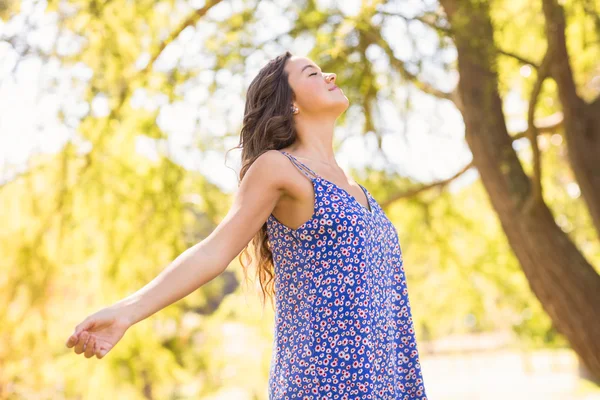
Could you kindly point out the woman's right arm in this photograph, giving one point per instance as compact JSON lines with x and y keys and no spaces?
{"x":258,"y":194}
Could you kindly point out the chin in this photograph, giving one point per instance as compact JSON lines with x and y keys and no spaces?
{"x":344,"y":104}
{"x":342,"y":107}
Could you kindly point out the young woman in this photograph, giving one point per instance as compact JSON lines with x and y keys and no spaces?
{"x":344,"y":328}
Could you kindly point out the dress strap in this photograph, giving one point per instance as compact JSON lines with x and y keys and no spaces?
{"x":302,"y":167}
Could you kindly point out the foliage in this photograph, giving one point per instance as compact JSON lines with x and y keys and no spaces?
{"x":98,"y":219}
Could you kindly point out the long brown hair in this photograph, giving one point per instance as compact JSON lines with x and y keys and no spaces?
{"x":268,"y":124}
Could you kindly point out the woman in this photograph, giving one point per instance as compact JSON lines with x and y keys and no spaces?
{"x":343,"y":322}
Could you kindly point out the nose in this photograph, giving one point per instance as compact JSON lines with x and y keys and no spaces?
{"x":330,"y":77}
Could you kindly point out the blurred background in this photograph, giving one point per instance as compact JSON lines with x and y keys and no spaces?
{"x":475,"y":125}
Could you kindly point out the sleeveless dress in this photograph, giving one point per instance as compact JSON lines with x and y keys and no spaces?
{"x":343,"y":323}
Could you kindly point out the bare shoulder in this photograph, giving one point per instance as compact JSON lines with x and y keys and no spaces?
{"x":264,"y":184}
{"x":272,"y":170}
{"x":270,"y":159}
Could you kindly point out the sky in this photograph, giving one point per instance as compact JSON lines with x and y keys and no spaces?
{"x":430,"y":147}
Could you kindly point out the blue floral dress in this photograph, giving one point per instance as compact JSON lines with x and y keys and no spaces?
{"x":343,"y":323}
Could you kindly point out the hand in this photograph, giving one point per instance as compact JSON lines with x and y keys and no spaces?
{"x":99,"y":332}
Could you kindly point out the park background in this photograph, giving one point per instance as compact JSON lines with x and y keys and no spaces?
{"x":115,"y":121}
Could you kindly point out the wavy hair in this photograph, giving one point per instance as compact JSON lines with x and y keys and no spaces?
{"x":268,"y":124}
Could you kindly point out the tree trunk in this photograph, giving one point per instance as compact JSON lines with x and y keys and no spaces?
{"x":581,"y":120}
{"x":565,"y":283}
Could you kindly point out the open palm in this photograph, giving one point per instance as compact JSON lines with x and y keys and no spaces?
{"x":99,"y":332}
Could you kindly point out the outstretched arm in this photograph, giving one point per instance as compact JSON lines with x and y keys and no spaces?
{"x":257,"y":196}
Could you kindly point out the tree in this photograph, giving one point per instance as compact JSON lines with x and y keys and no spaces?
{"x":564,"y":281}
{"x":88,"y":214}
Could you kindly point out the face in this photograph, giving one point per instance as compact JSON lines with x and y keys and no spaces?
{"x":315,"y":90}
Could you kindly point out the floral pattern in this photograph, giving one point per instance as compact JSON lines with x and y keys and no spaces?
{"x":343,"y":323}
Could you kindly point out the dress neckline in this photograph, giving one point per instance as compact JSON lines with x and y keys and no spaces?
{"x":369,"y":210}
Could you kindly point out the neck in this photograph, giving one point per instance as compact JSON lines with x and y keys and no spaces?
{"x":315,"y":139}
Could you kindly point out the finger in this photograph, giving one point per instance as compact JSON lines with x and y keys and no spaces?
{"x":74,"y":338}
{"x":100,"y":352}
{"x":80,"y":347}
{"x":72,"y":341}
{"x":89,"y":347}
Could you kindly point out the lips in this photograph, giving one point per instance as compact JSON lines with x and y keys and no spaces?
{"x":333,"y":88}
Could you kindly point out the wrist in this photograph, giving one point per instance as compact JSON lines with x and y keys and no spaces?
{"x":129,"y":310}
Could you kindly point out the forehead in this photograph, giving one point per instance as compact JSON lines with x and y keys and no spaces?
{"x":298,"y":65}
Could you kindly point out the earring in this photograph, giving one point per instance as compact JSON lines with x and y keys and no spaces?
{"x":295,"y":110}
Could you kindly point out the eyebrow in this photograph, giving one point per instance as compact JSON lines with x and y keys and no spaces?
{"x":307,"y":66}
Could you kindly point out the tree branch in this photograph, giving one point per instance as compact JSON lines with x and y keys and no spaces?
{"x":189,"y":21}
{"x":373,"y":36}
{"x":560,"y":69}
{"x":547,"y":124}
{"x":429,"y":19}
{"x":517,"y":57}
{"x":127,"y":86}
{"x":536,"y":196}
{"x":595,"y":104}
{"x":415,"y":191}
